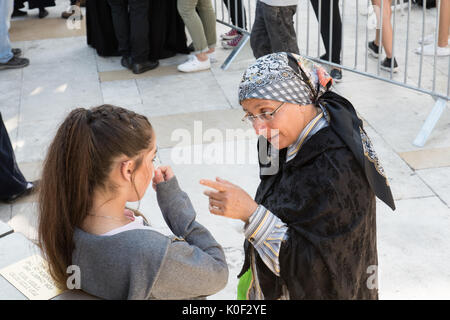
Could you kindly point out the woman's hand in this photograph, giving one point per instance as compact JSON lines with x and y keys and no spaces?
{"x":162,"y":173}
{"x":229,"y":200}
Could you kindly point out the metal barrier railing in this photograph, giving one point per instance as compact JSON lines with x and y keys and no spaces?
{"x":353,"y":31}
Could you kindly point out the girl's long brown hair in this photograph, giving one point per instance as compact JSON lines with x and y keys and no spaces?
{"x":78,"y":161}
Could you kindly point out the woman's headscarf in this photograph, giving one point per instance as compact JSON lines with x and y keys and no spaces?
{"x":287,"y":77}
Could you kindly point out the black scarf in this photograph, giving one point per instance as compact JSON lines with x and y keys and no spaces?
{"x":347,"y":125}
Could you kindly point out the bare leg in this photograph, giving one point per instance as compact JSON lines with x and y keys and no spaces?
{"x":202,"y":56}
{"x":387,"y":26}
{"x":444,"y":23}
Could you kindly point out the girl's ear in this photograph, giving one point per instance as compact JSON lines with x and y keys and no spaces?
{"x":126,"y":169}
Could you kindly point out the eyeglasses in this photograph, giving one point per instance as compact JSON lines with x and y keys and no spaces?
{"x":157,"y":160}
{"x":265,"y":116}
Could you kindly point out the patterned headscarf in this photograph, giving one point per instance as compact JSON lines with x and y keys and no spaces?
{"x":275,"y":77}
{"x":287,"y":77}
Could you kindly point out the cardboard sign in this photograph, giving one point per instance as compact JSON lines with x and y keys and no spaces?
{"x":31,"y":277}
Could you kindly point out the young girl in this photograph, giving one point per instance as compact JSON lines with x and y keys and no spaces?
{"x":99,"y":160}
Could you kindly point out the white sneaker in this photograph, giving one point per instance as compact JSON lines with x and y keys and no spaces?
{"x":429,"y":39}
{"x":193,"y":64}
{"x":212,"y":57}
{"x":429,"y":49}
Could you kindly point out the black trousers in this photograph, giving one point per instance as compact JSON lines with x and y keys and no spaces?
{"x":12,"y":181}
{"x":130,"y":19}
{"x":33,"y":4}
{"x":236,"y":10}
{"x":325,"y":28}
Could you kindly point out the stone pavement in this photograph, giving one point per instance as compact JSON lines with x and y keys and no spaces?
{"x":413,"y":241}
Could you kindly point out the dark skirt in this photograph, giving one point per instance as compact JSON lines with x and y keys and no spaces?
{"x":167,"y":34}
{"x":33,"y":4}
{"x":12,"y":181}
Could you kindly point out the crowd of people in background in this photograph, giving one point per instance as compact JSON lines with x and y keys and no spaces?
{"x":42,"y":5}
{"x":136,"y":40}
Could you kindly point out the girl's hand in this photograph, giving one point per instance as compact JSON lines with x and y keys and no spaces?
{"x":229,"y":200}
{"x":162,"y":173}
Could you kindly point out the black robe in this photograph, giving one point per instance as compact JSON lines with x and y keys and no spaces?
{"x":33,"y":4}
{"x":325,"y":199}
{"x":12,"y":181}
{"x":167,"y":35}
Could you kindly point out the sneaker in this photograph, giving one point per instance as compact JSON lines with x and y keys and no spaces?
{"x":233,"y":33}
{"x":374,"y":50}
{"x":336,"y":74}
{"x":429,"y":39}
{"x":231,"y":44}
{"x":429,"y":50}
{"x":193,"y":64}
{"x":212,"y":57}
{"x":386,"y":65}
{"x":15,"y":63}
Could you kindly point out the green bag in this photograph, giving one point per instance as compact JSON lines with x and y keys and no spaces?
{"x":244,"y":285}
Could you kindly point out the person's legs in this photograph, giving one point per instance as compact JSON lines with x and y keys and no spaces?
{"x":236,"y":11}
{"x":201,"y":34}
{"x":444,"y":23}
{"x":325,"y":28}
{"x":208,"y":18}
{"x":387,"y":26}
{"x":121,"y":22}
{"x":280,"y":28}
{"x":18,"y":4}
{"x":259,"y":38}
{"x":12,"y":181}
{"x":187,"y":11}
{"x":139,"y":29}
{"x":38,"y":4}
{"x":5,"y":44}
{"x":10,"y":10}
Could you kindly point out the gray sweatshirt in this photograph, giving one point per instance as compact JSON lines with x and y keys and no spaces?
{"x":145,"y":264}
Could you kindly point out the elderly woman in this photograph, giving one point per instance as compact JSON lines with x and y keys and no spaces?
{"x":311,"y":229}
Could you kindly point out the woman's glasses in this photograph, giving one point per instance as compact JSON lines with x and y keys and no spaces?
{"x":265,"y":116}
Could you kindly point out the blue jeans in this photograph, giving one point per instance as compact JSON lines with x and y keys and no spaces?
{"x":5,"y":45}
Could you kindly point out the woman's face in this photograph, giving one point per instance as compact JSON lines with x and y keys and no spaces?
{"x":287,"y":123}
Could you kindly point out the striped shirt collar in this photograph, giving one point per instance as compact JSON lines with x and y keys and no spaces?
{"x":319,"y":122}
